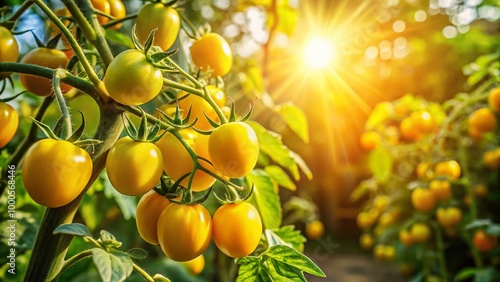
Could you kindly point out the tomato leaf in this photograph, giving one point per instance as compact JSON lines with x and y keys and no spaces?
{"x":273,"y":239}
{"x":266,"y":199}
{"x":302,"y":165}
{"x":102,"y":261}
{"x":465,"y":273}
{"x":290,"y":235}
{"x":380,"y":163}
{"x":249,"y":269}
{"x":277,"y":174}
{"x":292,"y":257}
{"x":270,"y":143}
{"x":109,"y":239}
{"x":493,"y":229}
{"x":119,"y":38}
{"x":363,"y":188}
{"x":137,"y":253}
{"x":285,"y":270}
{"x":295,"y":119}
{"x":478,"y":223}
{"x":121,"y":266}
{"x":75,"y":229}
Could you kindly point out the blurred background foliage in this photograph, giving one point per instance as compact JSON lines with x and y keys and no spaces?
{"x":383,"y":49}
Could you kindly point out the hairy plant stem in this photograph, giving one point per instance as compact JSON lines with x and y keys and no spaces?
{"x":50,"y":249}
{"x":58,"y":74}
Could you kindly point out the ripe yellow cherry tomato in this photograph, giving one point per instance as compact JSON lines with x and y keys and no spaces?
{"x":424,"y":170}
{"x":366,"y":241}
{"x":131,"y":79}
{"x":165,"y":19}
{"x":177,"y":162}
{"x":369,"y":140}
{"x":184,"y":231}
{"x":196,"y":265}
{"x":423,"y":121}
{"x":384,"y":252}
{"x":366,"y":219}
{"x":491,"y":159}
{"x":381,"y":202}
{"x":480,"y":190}
{"x":147,"y":213}
{"x":217,"y":95}
{"x":134,"y":167}
{"x":117,"y":10}
{"x":212,"y":53}
{"x":420,"y":232}
{"x":9,"y":120}
{"x":9,"y":49}
{"x":449,"y":217}
{"x":237,"y":229}
{"x":315,"y":230}
{"x":103,"y":6}
{"x":233,"y":149}
{"x":55,"y":172}
{"x":406,"y":238}
{"x":441,"y":189}
{"x":409,"y":131}
{"x":494,"y":99}
{"x":45,"y":57}
{"x":483,"y":241}
{"x":450,"y":169}
{"x":199,"y":108}
{"x":483,"y":120}
{"x":423,"y":199}
{"x":387,"y":219}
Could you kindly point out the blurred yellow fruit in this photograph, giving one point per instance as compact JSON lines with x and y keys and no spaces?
{"x":315,"y":230}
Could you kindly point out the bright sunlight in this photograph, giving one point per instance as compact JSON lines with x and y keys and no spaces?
{"x":319,"y":53}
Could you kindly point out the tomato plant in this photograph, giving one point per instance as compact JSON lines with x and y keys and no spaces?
{"x":246,"y":226}
{"x":200,"y":110}
{"x":483,"y":241}
{"x":55,"y":172}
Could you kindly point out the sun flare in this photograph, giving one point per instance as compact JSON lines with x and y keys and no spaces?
{"x":319,"y":53}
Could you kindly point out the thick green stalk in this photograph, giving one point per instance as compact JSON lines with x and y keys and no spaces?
{"x":49,"y":251}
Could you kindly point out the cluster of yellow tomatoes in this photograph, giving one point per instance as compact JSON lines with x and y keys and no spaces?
{"x":55,"y":171}
{"x":436,"y":195}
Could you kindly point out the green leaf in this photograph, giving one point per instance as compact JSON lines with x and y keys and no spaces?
{"x":290,"y":235}
{"x":121,"y":266}
{"x":273,"y":239}
{"x":75,"y":229}
{"x":363,"y":187}
{"x":266,"y":199}
{"x":380,"y":163}
{"x":102,"y":261}
{"x":249,"y":269}
{"x":474,"y":78}
{"x":270,"y":143}
{"x":465,"y":273}
{"x":493,"y":229}
{"x":478,"y":223}
{"x":119,"y":38}
{"x":290,"y":272}
{"x":109,"y":239}
{"x":302,"y":165}
{"x":295,"y":119}
{"x":292,"y":257}
{"x":279,"y":176}
{"x":484,"y":275}
{"x":137,"y":253}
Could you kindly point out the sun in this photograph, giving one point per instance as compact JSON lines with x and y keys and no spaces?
{"x":319,"y":53}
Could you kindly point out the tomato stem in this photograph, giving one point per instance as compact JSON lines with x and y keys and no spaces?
{"x":65,"y":116}
{"x":18,"y":13}
{"x":117,"y":21}
{"x":72,"y":260}
{"x":185,"y":74}
{"x":195,"y":34}
{"x":143,"y":273}
{"x":440,"y":249}
{"x":214,"y":105}
{"x":182,"y":87}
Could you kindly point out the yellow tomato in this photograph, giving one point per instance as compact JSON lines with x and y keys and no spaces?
{"x":423,"y":199}
{"x":315,"y":230}
{"x":441,"y":189}
{"x":147,"y":213}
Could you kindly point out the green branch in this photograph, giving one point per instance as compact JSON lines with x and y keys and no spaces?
{"x":66,"y":117}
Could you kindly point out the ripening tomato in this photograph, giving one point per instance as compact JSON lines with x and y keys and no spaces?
{"x":369,"y":140}
{"x":384,"y":252}
{"x":134,"y":167}
{"x":177,"y":162}
{"x":314,"y":230}
{"x":494,"y":99}
{"x":9,"y":49}
{"x":196,"y":265}
{"x":381,"y":202}
{"x":449,"y":217}
{"x":423,"y":121}
{"x":118,"y":11}
{"x":55,"y":172}
{"x":165,"y":19}
{"x":483,"y":119}
{"x":475,"y":134}
{"x":441,"y":189}
{"x":9,"y":120}
{"x":131,"y":79}
{"x":233,"y":149}
{"x":420,"y":232}
{"x":450,"y":169}
{"x":491,"y":159}
{"x":408,"y":130}
{"x":483,"y":241}
{"x":199,"y":108}
{"x":366,"y":219}
{"x":423,"y":170}
{"x":387,"y":219}
{"x":104,"y":7}
{"x":237,"y":229}
{"x":147,"y":213}
{"x":366,"y":241}
{"x":212,"y":53}
{"x":405,"y":237}
{"x":217,"y":95}
{"x":423,"y":199}
{"x":184,"y":231}
{"x":45,"y":57}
